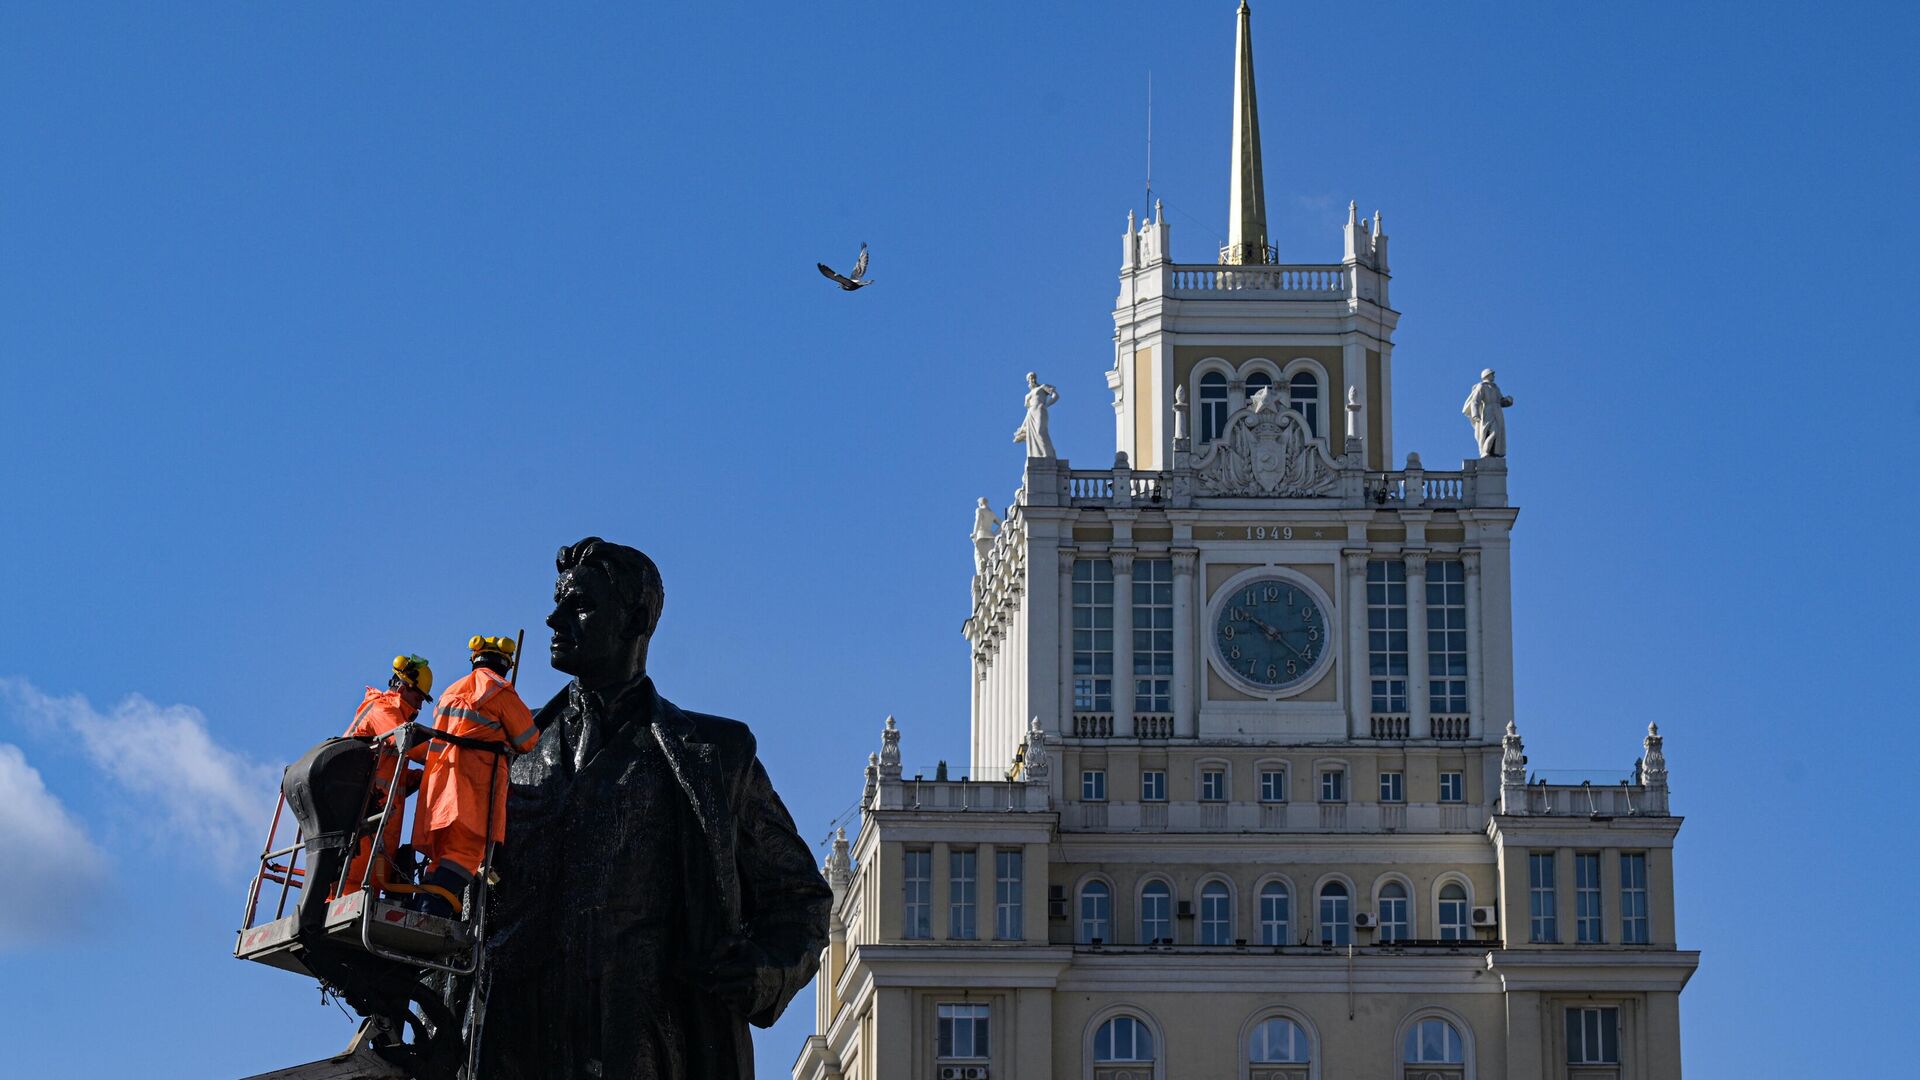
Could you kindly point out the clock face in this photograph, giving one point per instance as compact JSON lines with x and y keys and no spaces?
{"x":1271,"y":633}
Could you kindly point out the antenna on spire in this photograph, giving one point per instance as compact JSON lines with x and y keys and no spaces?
{"x":1149,"y":140}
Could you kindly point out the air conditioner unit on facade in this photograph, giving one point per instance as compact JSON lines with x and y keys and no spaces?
{"x":1056,"y":909}
{"x":1056,"y":892}
{"x":1185,"y":909}
{"x":1364,"y":921}
{"x":1485,"y":916}
{"x":963,"y":1072}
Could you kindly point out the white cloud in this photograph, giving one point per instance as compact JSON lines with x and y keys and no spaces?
{"x":51,"y":874}
{"x":207,"y":796}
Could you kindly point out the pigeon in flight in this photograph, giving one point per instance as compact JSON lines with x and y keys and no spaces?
{"x":857,"y":281}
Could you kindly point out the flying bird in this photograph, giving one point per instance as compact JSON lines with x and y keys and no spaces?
{"x":857,"y":281}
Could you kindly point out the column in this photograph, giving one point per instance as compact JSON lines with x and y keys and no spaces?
{"x":1186,"y":658}
{"x":1067,"y":556}
{"x":1359,"y":691}
{"x":1470,"y":560}
{"x":1122,"y":642}
{"x":940,"y":898}
{"x":1418,"y":726}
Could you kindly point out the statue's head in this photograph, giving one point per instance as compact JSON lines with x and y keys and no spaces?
{"x":1486,"y":375}
{"x":1033,"y":379}
{"x":606,"y":604}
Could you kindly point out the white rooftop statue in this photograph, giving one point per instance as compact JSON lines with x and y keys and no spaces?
{"x":1485,"y":409}
{"x":984,"y":522}
{"x":1033,"y":430}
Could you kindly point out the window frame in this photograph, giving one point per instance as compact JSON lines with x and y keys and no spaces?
{"x":1389,"y":676}
{"x":963,"y":894}
{"x":1393,"y":786}
{"x":1335,"y":932}
{"x":1153,"y":785}
{"x":1213,"y":910}
{"x":1273,"y":784}
{"x":1152,"y":619}
{"x":1447,"y":665}
{"x":1165,"y":922}
{"x":1215,"y":783}
{"x":1333,"y":784}
{"x":1636,"y":928}
{"x":1606,"y":1031}
{"x":979,"y":1021}
{"x":1093,"y":785}
{"x":1588,"y":911}
{"x":1085,"y":893}
{"x":1009,"y":894}
{"x":1092,"y":687}
{"x":1140,"y":1026}
{"x":907,"y":902}
{"x":1543,"y":899}
{"x":1403,"y":910}
{"x":1412,"y":1049}
{"x":1307,"y":1038}
{"x":1275,"y":932}
{"x":1459,"y":785}
{"x":1441,"y":923}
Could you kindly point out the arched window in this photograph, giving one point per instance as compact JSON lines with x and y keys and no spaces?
{"x":1433,"y":1041}
{"x":1279,"y":1041}
{"x":1096,"y":913}
{"x":1156,"y":902}
{"x":1336,"y":914}
{"x":1123,"y":1039}
{"x":1213,"y":406}
{"x":1453,"y":913}
{"x":1303,"y":393}
{"x":1216,"y":914}
{"x":1257,"y":382}
{"x":1273,"y":913}
{"x":1393,"y":913}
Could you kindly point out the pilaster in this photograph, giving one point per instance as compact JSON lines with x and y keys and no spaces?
{"x":1476,"y":721}
{"x":1122,"y":641}
{"x":1418,"y":723}
{"x":1359,"y":690}
{"x":1186,"y":654}
{"x":1064,"y":693}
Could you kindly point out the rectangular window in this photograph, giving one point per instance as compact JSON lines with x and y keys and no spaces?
{"x":1153,"y":785}
{"x":1586,"y":897}
{"x":1593,"y":1036}
{"x":1093,"y":635}
{"x":1333,"y":786}
{"x":1453,"y":787}
{"x":960,"y":895}
{"x":961,"y":1033}
{"x":1153,"y":635}
{"x":1393,"y":787}
{"x":1633,"y":898}
{"x":919,"y":894}
{"x":1009,"y":920}
{"x":1446,"y":637}
{"x":1543,"y":926}
{"x":1387,"y":634}
{"x":1336,"y":916}
{"x":1273,"y":785}
{"x":1213,"y":785}
{"x":1093,"y":785}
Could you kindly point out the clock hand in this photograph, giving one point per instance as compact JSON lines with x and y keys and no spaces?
{"x":1270,"y":632}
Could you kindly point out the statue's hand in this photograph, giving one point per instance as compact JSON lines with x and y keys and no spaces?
{"x":735,"y":976}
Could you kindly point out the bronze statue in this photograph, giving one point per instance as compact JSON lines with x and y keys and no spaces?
{"x":655,"y":898}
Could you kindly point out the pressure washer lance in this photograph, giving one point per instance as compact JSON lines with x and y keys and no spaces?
{"x":513,"y":674}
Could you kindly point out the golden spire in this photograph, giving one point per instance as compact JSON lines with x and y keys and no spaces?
{"x":1247,"y":200}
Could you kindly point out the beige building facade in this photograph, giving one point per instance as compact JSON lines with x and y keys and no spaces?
{"x":1247,"y":796}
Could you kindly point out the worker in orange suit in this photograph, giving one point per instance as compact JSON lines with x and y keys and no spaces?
{"x":380,"y":712}
{"x":451,"y":827}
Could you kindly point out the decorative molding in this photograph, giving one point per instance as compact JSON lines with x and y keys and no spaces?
{"x":1266,"y":451}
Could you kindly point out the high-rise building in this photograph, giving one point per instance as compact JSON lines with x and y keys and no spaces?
{"x":1247,"y":798}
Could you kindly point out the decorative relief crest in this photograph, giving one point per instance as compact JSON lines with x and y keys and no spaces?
{"x":1266,"y":451}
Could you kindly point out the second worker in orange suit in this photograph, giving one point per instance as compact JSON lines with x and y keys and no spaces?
{"x":380,"y":712}
{"x":465,"y":785}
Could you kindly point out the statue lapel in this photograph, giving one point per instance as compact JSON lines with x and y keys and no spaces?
{"x":697,"y":766}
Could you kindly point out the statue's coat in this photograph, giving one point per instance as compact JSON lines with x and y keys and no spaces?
{"x":562,"y":960}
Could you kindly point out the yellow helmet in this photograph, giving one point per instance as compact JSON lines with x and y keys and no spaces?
{"x":480,"y":645}
{"x":415,"y":672}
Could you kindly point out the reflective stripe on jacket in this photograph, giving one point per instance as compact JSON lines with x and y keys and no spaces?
{"x":460,"y":779}
{"x":380,"y":712}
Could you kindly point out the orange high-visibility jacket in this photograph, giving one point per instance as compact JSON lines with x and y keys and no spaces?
{"x":456,"y":788}
{"x":380,"y":712}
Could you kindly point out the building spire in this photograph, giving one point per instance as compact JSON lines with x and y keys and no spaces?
{"x":1247,"y":200}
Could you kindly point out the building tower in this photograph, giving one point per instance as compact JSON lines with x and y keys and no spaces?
{"x":1247,"y":795}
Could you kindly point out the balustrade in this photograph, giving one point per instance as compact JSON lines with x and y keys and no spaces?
{"x":1323,"y":280}
{"x":1093,"y":725}
{"x":1392,"y":726}
{"x":1153,"y":725}
{"x":1452,"y":728}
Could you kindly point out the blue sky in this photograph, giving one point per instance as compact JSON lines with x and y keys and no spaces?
{"x":320,"y":331}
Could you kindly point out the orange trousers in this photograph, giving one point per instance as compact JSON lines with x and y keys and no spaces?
{"x":387,"y":871}
{"x":461,"y":849}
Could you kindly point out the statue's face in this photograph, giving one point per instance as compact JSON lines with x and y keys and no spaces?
{"x":593,"y":633}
